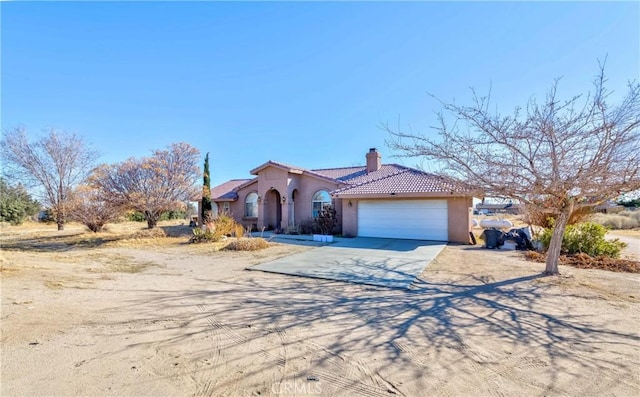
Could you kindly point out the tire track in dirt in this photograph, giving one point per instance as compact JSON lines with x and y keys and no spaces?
{"x":515,"y":370}
{"x":207,"y":386}
{"x":412,"y":354}
{"x":345,"y":375}
{"x":227,"y":338}
{"x":602,"y":385}
{"x":486,"y":368}
{"x":282,"y":337}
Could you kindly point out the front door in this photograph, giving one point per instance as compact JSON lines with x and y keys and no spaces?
{"x":273,"y":216}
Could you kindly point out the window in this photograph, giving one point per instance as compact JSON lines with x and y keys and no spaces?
{"x":319,"y":200}
{"x":251,"y":205}
{"x":226,"y":208}
{"x":214,"y":209}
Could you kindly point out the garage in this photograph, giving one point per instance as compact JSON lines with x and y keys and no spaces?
{"x":406,"y":219}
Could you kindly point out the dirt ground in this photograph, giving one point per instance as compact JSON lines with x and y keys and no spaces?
{"x":100,"y":318}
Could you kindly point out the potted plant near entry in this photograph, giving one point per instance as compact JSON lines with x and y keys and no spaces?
{"x":326,"y":221}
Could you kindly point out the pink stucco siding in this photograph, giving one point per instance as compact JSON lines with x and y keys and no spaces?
{"x":285,"y":194}
{"x":285,"y":199}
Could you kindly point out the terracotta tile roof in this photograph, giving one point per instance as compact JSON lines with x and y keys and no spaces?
{"x":342,"y":174}
{"x":394,"y":178}
{"x":390,"y":178}
{"x":227,"y":190}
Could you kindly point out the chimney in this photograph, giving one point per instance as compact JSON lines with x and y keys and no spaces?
{"x":373,"y":160}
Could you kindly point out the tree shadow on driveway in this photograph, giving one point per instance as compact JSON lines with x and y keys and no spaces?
{"x":482,"y":333}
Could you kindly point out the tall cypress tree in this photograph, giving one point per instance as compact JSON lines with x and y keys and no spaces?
{"x":205,"y":213}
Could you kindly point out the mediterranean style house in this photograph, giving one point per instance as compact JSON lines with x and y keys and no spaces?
{"x":376,"y":200}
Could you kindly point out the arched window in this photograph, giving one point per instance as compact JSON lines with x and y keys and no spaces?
{"x":319,"y":200}
{"x":251,"y":205}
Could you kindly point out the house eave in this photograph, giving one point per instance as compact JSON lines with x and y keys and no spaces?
{"x":270,"y":163}
{"x":398,"y":195}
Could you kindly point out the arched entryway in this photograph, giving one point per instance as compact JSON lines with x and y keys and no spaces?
{"x":273,"y":209}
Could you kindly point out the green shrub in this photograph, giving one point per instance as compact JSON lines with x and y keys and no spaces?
{"x":171,"y":215}
{"x":635,"y":203}
{"x":587,"y":238}
{"x":135,"y":216}
{"x":202,"y":235}
{"x":16,"y":204}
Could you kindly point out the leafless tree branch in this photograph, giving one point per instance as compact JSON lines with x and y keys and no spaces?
{"x":558,"y":157}
{"x":56,"y":163}
{"x":151,"y":185}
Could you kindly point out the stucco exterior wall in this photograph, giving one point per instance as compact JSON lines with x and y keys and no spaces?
{"x":237,"y":207}
{"x":303,"y":202}
{"x":285,"y":199}
{"x":459,"y":219}
{"x":292,"y":193}
{"x":349,"y":217}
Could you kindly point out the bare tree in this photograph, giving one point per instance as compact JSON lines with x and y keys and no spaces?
{"x":558,"y":157}
{"x":151,"y":185}
{"x":55,"y":163}
{"x":88,"y":206}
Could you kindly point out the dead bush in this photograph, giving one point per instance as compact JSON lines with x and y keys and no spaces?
{"x":239,"y":231}
{"x":156,"y":232}
{"x":584,"y":261}
{"x":223,"y":226}
{"x":247,"y":244}
{"x":308,"y":226}
{"x":624,"y":220}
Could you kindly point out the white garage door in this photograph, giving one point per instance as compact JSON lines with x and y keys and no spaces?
{"x":410,"y":219}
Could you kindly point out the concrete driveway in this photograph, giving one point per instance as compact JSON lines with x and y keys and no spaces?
{"x":375,"y":261}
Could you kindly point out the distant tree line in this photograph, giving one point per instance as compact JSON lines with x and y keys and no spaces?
{"x":16,"y":204}
{"x":631,"y":203}
{"x":61,"y":169}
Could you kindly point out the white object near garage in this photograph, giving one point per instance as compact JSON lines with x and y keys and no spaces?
{"x":407,"y":219}
{"x":497,"y":223}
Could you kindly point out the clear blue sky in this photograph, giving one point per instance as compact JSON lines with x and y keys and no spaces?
{"x":302,"y":83}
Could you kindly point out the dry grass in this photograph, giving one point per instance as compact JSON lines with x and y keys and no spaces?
{"x":625,"y":220}
{"x":122,"y":267}
{"x":149,"y":233}
{"x":46,"y":238}
{"x":115,"y":263}
{"x":247,"y":244}
{"x":54,"y":284}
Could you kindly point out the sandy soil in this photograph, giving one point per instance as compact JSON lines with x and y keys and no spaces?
{"x":180,"y":321}
{"x":632,"y":238}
